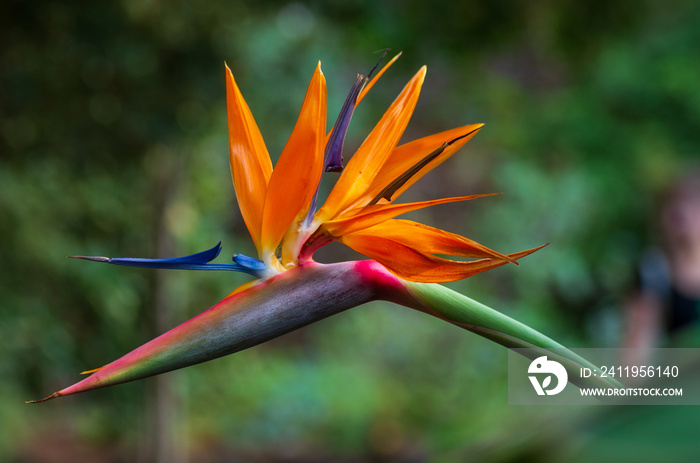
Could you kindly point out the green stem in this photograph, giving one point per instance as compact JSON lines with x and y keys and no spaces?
{"x":471,"y":315}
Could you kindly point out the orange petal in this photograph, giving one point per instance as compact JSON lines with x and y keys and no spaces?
{"x":406,"y":156}
{"x":250,"y":163}
{"x":371,"y":156}
{"x":365,"y":217}
{"x":430,"y":240}
{"x":412,"y":265}
{"x":371,"y":83}
{"x":299,"y":168}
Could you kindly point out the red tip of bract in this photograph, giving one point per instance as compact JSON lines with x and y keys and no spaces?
{"x":52,"y":396}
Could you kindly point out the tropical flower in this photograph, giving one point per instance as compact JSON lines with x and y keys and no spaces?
{"x":279,"y":205}
{"x":279,"y":208}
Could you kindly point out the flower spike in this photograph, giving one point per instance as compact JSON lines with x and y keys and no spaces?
{"x":291,"y":290}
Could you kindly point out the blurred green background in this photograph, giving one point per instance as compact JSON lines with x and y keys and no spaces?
{"x":113,"y":142}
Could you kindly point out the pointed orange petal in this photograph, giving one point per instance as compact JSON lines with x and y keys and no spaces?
{"x":371,"y":83}
{"x":405,"y":157}
{"x":369,"y":158}
{"x":365,"y":217}
{"x":250,"y":163}
{"x":299,"y":168}
{"x":412,"y":265}
{"x":430,"y":240}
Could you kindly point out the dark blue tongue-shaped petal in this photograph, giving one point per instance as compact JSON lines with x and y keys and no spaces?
{"x":333,"y":156}
{"x":198,"y":261}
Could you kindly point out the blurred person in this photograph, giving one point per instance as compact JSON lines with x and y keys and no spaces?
{"x":666,"y":302}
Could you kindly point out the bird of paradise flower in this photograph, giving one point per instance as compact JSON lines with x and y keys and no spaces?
{"x":279,"y":208}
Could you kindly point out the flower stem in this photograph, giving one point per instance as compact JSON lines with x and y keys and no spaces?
{"x":471,"y":315}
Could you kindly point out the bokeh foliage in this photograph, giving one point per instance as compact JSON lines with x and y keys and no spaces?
{"x":113,"y":142}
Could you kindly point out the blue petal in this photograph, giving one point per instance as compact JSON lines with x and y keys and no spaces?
{"x":249,"y":262}
{"x":198,"y":261}
{"x":333,"y":156}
